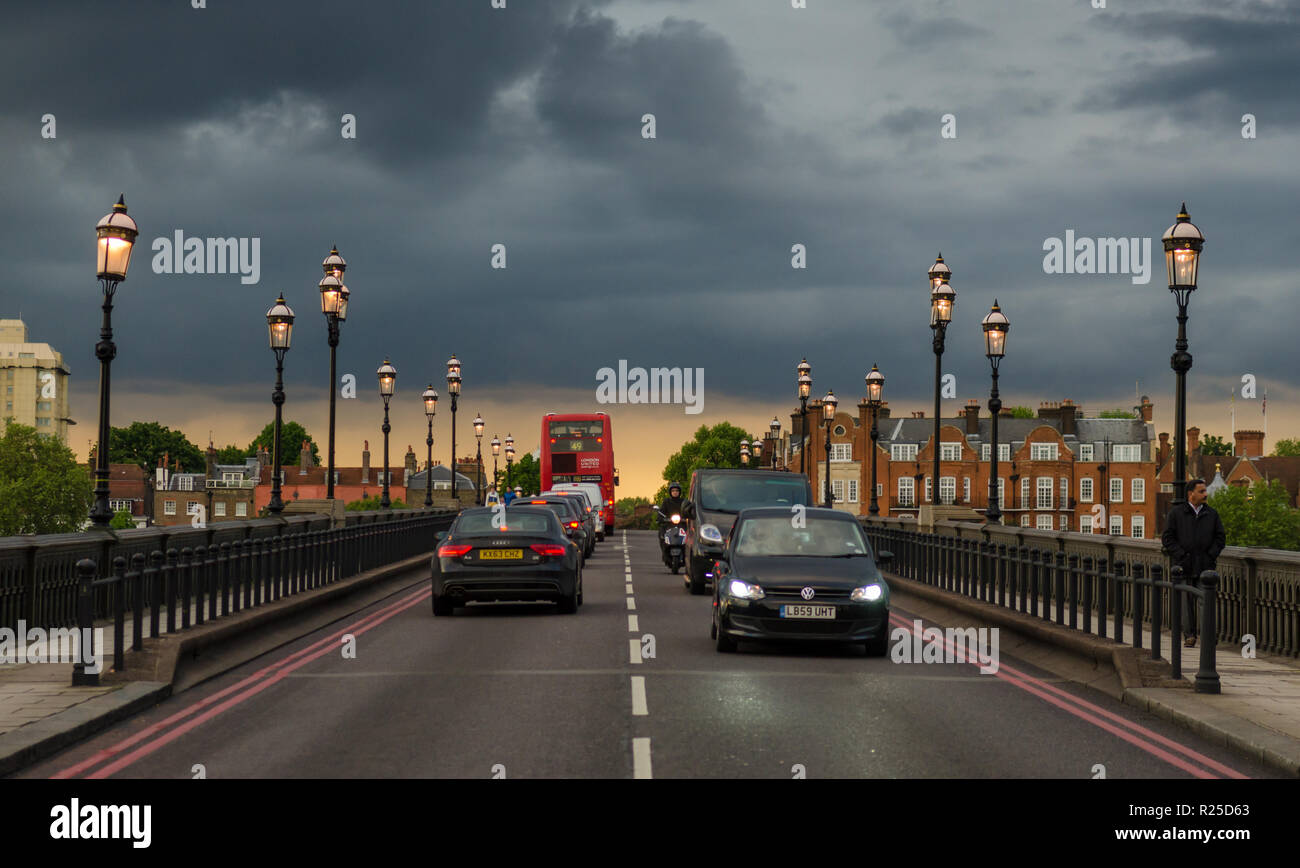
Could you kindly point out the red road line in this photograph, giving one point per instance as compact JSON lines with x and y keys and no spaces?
{"x":1081,"y":709}
{"x":112,"y":751}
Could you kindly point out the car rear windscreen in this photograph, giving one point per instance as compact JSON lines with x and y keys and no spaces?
{"x":481,"y":524}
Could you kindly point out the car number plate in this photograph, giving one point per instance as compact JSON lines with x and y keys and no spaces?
{"x":501,"y":554}
{"x":815,"y":612}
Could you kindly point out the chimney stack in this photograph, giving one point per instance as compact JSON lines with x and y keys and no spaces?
{"x":1147,"y":408}
{"x":304,"y":458}
{"x":1249,"y":444}
{"x":972,"y":413}
{"x":365,"y":463}
{"x":1069,"y":416}
{"x":210,"y":467}
{"x":882,"y":412}
{"x":1162,"y":454}
{"x":1193,"y":441}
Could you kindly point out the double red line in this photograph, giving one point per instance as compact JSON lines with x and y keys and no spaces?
{"x":117,"y":757}
{"x":1192,"y":762}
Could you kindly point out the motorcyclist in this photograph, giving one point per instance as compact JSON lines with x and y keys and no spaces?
{"x":672,"y":505}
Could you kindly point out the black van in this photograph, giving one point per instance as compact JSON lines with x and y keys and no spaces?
{"x":716,"y":496}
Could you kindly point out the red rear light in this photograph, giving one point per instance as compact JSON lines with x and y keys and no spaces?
{"x":453,"y":551}
{"x":549,"y":550}
{"x":574,"y":523}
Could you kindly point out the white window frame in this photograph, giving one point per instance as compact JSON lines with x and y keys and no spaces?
{"x":841,"y":452}
{"x":1045,"y":493}
{"x":1086,"y":484}
{"x":906,"y":491}
{"x":116,"y":505}
{"x":928,"y":487}
{"x":1116,"y":490}
{"x":241,"y":509}
{"x":1085,"y":451}
{"x":219,"y":509}
{"x":1065,"y":522}
{"x":1126,"y":452}
{"x":1065,"y":492}
{"x":184,"y":483}
{"x":950,"y":452}
{"x":1043,"y":451}
{"x":902,"y":452}
{"x":192,"y":507}
{"x":947,"y":489}
{"x":1044,"y":521}
{"x":965,"y":489}
{"x":1024,"y":520}
{"x":853,"y":491}
{"x":837,"y":490}
{"x":880,"y":489}
{"x":169,"y":507}
{"x":1002,"y":493}
{"x":986,"y":451}
{"x":1004,"y":452}
{"x":1116,"y":525}
{"x":1137,"y":490}
{"x":1085,"y":524}
{"x":1138,"y":526}
{"x":1024,"y":492}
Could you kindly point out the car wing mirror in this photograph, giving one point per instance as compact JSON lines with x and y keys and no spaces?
{"x":884,"y":558}
{"x":688,"y":509}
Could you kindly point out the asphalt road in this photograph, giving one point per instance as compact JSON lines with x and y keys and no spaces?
{"x":520,"y":691}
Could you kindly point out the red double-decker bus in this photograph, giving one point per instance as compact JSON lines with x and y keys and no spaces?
{"x":579,"y":447}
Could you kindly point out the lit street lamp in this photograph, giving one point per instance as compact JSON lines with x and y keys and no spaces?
{"x":803,"y":380}
{"x":478,"y":460}
{"x":430,"y":408}
{"x":1183,"y":243}
{"x":333,"y":304}
{"x":744,"y":452}
{"x":453,"y":389}
{"x":775,"y":427}
{"x":387,"y":383}
{"x":996,"y":327}
{"x":829,"y":403}
{"x":942,"y":301}
{"x":757,"y":448}
{"x":496,"y":450}
{"x":510,"y":459}
{"x":115,"y":236}
{"x":279,"y":323}
{"x":875,"y":392}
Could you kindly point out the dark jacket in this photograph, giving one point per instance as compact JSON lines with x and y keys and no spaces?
{"x":1193,"y":541}
{"x":672,"y":506}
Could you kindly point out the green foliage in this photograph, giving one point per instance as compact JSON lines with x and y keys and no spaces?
{"x":371,"y":503}
{"x":718,"y":446}
{"x":143,"y":443}
{"x":1022,"y":413}
{"x":1263,"y":517}
{"x":232,"y":454}
{"x":291,"y":436}
{"x":1116,"y":414}
{"x":42,"y":487}
{"x":1287,"y":449}
{"x":1211,"y":445}
{"x":625,"y":513}
{"x":122,"y":520}
{"x":526,"y":473}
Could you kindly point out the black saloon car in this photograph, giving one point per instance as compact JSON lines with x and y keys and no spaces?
{"x":518,"y":554}
{"x":800,"y":574}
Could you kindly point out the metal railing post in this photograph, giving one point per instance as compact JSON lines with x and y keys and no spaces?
{"x":86,"y":570}
{"x":1207,"y":677}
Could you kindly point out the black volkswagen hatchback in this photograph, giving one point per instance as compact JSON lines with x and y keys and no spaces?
{"x":492,"y":554}
{"x":805,"y":574}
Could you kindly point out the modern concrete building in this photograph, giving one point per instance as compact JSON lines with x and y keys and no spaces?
{"x":35,"y":382}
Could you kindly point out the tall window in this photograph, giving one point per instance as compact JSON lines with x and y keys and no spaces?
{"x":1004,"y":451}
{"x":219,"y":509}
{"x":841,"y":451}
{"x":1085,"y":489}
{"x":928,"y":495}
{"x":950,"y":452}
{"x":1138,"y":490}
{"x":1065,"y":492}
{"x":241,"y":509}
{"x":169,"y":507}
{"x":1138,"y":526}
{"x":1045,"y":492}
{"x":1085,"y":524}
{"x":1042,"y":452}
{"x":1065,"y":522}
{"x":965,"y":489}
{"x":906,"y":491}
{"x":1085,"y":451}
{"x":985,"y":451}
{"x":902,"y":452}
{"x":1117,"y":491}
{"x":853,"y":491}
{"x":948,"y":489}
{"x":1024,"y":520}
{"x":1024,"y":492}
{"x":1002,"y":492}
{"x":1117,"y":525}
{"x":837,"y":490}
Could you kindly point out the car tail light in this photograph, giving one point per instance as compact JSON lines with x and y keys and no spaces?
{"x":574,"y":523}
{"x":453,"y":551}
{"x":549,"y":550}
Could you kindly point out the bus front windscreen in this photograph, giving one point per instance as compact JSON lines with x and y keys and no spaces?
{"x":591,"y":428}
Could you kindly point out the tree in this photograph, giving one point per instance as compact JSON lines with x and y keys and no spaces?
{"x":1211,"y":445}
{"x":526,"y":473}
{"x":232,"y":454}
{"x":718,"y":446}
{"x":143,"y":443}
{"x":625,"y":513}
{"x":291,"y":436}
{"x":42,"y":487}
{"x":371,"y":503}
{"x":122,"y":520}
{"x":1116,"y":414}
{"x":1258,"y":516}
{"x":1022,"y":413}
{"x":1287,"y":449}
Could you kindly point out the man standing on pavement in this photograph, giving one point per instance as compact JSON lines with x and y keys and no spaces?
{"x":1193,"y":539}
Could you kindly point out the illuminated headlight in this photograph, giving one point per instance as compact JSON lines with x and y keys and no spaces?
{"x":710,"y":533}
{"x":744,"y":590}
{"x":867,"y":594}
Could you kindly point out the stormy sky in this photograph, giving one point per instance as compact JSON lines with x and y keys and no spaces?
{"x":774,"y":127}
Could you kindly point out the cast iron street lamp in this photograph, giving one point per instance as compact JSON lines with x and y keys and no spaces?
{"x":115,"y":237}
{"x":430,"y":408}
{"x":333,"y":304}
{"x":996,"y":327}
{"x":478,"y":460}
{"x":803,"y":379}
{"x":744,"y":452}
{"x":496,"y":450}
{"x":279,"y":322}
{"x":875,"y":392}
{"x":775,"y":427}
{"x":829,"y":403}
{"x":453,"y":389}
{"x":510,"y":459}
{"x":757,"y":448}
{"x":942,"y":300}
{"x":1183,"y":242}
{"x":387,"y":383}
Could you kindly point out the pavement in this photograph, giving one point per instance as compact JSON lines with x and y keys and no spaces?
{"x":632,"y":687}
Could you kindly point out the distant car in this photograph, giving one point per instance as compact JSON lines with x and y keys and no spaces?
{"x":528,"y":558}
{"x":592,"y":490}
{"x":716,"y":496}
{"x":814,"y":579}
{"x":573,"y":518}
{"x":590,"y":511}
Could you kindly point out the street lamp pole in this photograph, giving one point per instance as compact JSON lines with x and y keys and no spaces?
{"x":1183,"y":242}
{"x":333,"y":304}
{"x":430,"y":408}
{"x":510,"y":459}
{"x":996,"y":327}
{"x":496,"y":450}
{"x":829,"y":403}
{"x":115,"y":236}
{"x":453,"y":389}
{"x":387,"y":382}
{"x":875,"y":392}
{"x":942,"y":299}
{"x":803,"y":380}
{"x":478,"y":460}
{"x":279,"y":322}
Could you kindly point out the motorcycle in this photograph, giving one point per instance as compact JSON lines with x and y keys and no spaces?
{"x":673,"y":541}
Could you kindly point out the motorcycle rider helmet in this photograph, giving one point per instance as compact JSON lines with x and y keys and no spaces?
{"x":673,"y":486}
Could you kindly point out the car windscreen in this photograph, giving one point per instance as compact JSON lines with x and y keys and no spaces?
{"x":481,"y":524}
{"x":726,"y":493}
{"x":778,"y":536}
